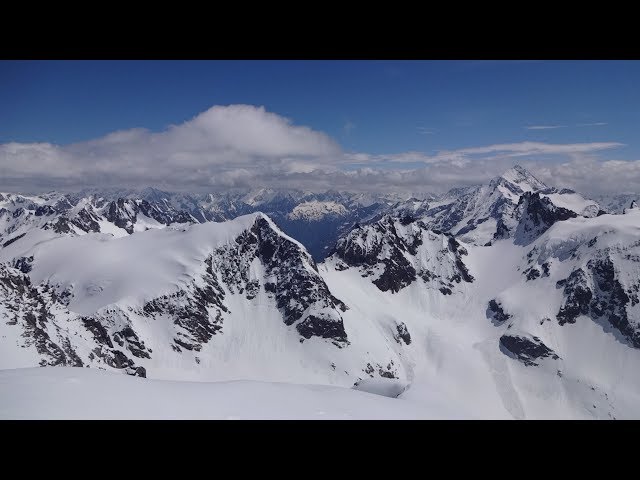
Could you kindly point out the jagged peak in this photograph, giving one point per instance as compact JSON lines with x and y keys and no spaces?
{"x":261,"y":217}
{"x":523,"y":178}
{"x":538,"y":214}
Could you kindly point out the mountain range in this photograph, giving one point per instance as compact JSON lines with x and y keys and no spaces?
{"x":511,"y":299}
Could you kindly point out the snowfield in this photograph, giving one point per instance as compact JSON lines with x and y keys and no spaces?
{"x":66,"y":393}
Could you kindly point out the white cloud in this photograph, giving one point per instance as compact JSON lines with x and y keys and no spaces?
{"x":201,"y":151}
{"x":463,"y":156}
{"x":544,"y":127}
{"x":592,"y":176}
{"x":245,"y":146}
{"x":537,"y":148}
{"x":596,"y":124}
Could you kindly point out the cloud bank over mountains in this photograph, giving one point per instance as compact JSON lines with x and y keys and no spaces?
{"x":244,"y":146}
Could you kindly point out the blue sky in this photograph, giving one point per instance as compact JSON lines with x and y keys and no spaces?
{"x":373,"y":106}
{"x":376,"y":108}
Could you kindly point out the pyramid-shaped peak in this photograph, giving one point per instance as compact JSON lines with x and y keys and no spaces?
{"x":523,"y":178}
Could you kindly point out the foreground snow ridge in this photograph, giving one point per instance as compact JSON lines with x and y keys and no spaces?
{"x":88,"y":394}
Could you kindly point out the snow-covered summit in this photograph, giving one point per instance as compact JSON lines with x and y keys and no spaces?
{"x":162,"y":297}
{"x":315,"y":210}
{"x":484,"y":213}
{"x":524,"y":179}
{"x":393,"y":254}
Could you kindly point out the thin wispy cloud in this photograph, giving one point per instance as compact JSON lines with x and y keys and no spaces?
{"x":596,"y":124}
{"x":553,"y":127}
{"x":425,"y":131}
{"x":348,"y":127}
{"x":544,"y":127}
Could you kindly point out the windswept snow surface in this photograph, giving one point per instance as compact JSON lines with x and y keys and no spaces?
{"x":83,"y":393}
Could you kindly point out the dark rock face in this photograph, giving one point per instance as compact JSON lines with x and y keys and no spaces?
{"x":23,"y":264}
{"x":45,"y":210}
{"x":598,"y":294}
{"x":98,"y":330}
{"x":496,"y":313}
{"x":502,"y":230}
{"x":537,"y":215}
{"x":124,"y":212}
{"x":314,"y":326}
{"x":354,"y":253}
{"x":299,"y":291}
{"x":128,"y":337}
{"x":381,"y":248}
{"x":197,"y":310}
{"x":87,"y":221}
{"x":31,"y":306}
{"x":526,"y":350}
{"x":610,"y":301}
{"x":458,"y":251}
{"x":109,"y":353}
{"x":388,"y":372}
{"x":34,"y":308}
{"x":397,"y":274}
{"x":11,"y":240}
{"x":531,"y":273}
{"x":577,"y":297}
{"x":61,"y":225}
{"x":164,"y":213}
{"x":402,"y":334}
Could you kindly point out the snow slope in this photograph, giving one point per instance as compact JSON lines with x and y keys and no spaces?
{"x":89,"y":394}
{"x":543,"y":351}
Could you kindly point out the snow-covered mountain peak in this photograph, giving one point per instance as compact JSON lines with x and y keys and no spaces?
{"x":395,"y":253}
{"x":315,"y":210}
{"x":521,"y":177}
{"x":537,"y":214}
{"x":167,"y":299}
